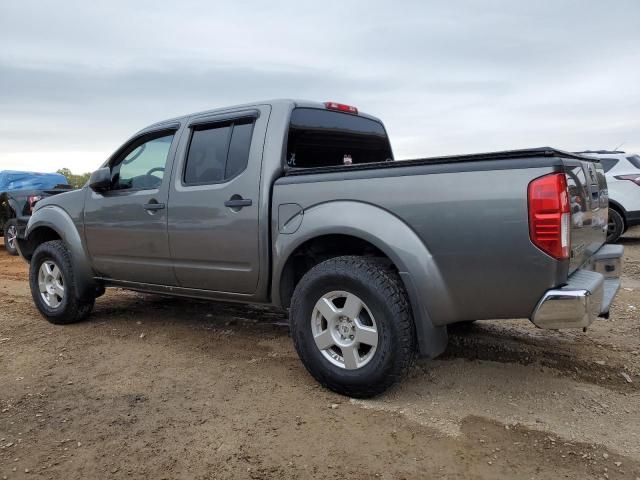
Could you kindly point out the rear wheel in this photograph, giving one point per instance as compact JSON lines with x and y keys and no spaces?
{"x":352,"y":326}
{"x":615,"y":227}
{"x":53,"y":285}
{"x":11,"y":237}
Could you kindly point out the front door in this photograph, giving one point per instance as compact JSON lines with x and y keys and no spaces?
{"x":126,"y":226}
{"x":214,"y":202}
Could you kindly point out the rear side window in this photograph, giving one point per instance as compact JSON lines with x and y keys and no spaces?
{"x":218,"y":153}
{"x":635,"y":160}
{"x":320,"y":138}
{"x":608,"y":163}
{"x":207,"y":156}
{"x":238,"y":149}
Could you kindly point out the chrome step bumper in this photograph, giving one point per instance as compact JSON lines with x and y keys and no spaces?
{"x":587,"y":295}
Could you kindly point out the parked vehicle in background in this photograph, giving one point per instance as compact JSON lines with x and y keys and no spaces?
{"x":19,"y":192}
{"x":300,"y":205}
{"x":623,"y":181}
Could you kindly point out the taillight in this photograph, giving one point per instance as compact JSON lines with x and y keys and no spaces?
{"x":32,"y":200}
{"x":341,"y":107}
{"x":634,"y":178}
{"x":549,"y":215}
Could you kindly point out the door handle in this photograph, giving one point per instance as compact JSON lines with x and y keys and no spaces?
{"x":153,"y":206}
{"x":235,"y":202}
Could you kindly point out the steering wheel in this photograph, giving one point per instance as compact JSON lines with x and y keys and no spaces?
{"x":155,"y":169}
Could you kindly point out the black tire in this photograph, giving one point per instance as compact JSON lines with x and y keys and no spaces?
{"x":615,"y":227}
{"x":381,"y":290}
{"x":10,"y":235}
{"x":70,"y":308}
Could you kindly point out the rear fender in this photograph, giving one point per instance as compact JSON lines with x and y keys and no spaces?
{"x":14,"y":207}
{"x":385,"y":231}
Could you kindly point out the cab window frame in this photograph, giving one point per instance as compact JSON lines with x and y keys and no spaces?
{"x":208,"y":124}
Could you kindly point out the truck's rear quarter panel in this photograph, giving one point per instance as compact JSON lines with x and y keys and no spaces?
{"x":472,"y":217}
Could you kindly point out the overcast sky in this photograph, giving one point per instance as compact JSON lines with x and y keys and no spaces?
{"x":78,"y":78}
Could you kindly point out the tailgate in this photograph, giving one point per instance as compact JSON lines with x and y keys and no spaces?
{"x":589,"y":203}
{"x":27,"y":199}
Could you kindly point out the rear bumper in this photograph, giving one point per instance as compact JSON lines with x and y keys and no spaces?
{"x":587,"y":295}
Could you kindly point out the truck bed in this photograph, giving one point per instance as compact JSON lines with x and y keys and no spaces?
{"x":535,"y":154}
{"x":471,"y":212}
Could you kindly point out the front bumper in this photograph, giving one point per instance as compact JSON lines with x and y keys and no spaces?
{"x":587,"y":295}
{"x":632,"y":218}
{"x":21,"y":226}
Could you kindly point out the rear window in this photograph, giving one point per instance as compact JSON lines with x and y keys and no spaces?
{"x":608,"y":163}
{"x":320,"y":138}
{"x":218,"y":153}
{"x":635,"y":160}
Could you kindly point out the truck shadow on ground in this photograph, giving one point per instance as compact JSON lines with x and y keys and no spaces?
{"x":516,"y":342}
{"x":629,"y":241}
{"x":572,"y":354}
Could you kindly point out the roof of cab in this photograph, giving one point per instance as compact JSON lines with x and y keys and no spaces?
{"x":279,"y":101}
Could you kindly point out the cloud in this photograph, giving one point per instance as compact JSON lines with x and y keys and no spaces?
{"x":447,"y":77}
{"x":63,"y":100}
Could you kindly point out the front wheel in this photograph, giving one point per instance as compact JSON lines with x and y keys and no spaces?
{"x":52,"y":285}
{"x":615,"y":227}
{"x":11,"y":237}
{"x":352,"y":325}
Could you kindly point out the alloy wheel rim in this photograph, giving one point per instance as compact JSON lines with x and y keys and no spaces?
{"x":51,"y":284}
{"x":344,"y":330}
{"x":12,"y":234}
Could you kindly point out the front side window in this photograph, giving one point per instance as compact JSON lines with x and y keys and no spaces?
{"x":218,"y":153}
{"x":142,"y":165}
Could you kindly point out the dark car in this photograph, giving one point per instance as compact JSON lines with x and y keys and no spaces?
{"x":19,"y":192}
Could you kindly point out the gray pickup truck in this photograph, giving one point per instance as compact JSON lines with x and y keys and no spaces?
{"x":301,"y":205}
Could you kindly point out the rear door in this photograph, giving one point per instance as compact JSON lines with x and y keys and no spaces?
{"x":214,"y":202}
{"x":588,"y":200}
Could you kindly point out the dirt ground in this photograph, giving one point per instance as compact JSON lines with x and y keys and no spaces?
{"x":158,"y":388}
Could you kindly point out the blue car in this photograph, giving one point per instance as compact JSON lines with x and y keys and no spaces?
{"x":19,"y":192}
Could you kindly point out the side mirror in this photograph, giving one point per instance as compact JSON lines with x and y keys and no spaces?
{"x":100,"y":180}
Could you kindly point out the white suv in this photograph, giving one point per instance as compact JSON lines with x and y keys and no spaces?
{"x":623,"y":180}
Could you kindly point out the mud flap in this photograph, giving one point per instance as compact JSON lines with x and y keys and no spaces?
{"x":432,"y":340}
